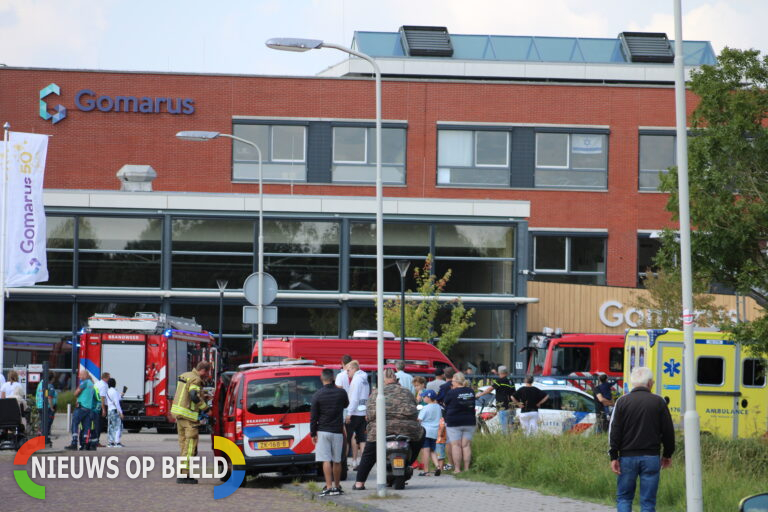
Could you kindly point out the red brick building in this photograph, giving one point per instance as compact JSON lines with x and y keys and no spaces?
{"x":504,"y":168}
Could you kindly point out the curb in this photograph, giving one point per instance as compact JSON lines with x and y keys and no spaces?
{"x":336,"y":500}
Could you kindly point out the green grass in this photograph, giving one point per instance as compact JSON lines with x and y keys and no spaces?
{"x":578,"y":467}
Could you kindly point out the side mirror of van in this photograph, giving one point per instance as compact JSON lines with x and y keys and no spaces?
{"x":756,"y":503}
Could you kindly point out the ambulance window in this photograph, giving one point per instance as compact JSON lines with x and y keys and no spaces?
{"x":753,"y":374}
{"x":710,"y":371}
{"x":631,"y":359}
{"x":641,"y":359}
{"x":269,"y":396}
{"x":616,"y":360}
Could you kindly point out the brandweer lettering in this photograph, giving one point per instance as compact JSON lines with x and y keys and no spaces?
{"x":28,"y":244}
{"x":87,"y":101}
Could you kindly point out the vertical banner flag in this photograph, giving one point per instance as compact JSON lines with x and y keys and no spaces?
{"x":25,"y":258}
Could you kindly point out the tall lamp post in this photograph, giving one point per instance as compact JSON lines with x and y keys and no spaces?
{"x":402,"y":266}
{"x":222,"y":284}
{"x":203,"y":135}
{"x":302,"y":45}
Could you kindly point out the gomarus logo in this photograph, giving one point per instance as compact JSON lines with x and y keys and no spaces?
{"x":61,"y":110}
{"x":22,"y":477}
{"x":236,"y":476}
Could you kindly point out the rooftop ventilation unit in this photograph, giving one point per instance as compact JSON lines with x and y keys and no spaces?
{"x":426,"y":41}
{"x":646,"y":47}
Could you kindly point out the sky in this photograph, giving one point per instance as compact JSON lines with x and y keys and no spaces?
{"x":227,"y":36}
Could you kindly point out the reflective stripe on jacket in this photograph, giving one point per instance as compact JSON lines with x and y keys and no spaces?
{"x":183,"y":405}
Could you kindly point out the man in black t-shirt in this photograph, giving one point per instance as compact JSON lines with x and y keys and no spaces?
{"x":529,"y":398}
{"x":504,"y":390}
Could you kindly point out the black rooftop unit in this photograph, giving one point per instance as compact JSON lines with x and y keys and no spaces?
{"x":646,"y":47}
{"x":426,"y":41}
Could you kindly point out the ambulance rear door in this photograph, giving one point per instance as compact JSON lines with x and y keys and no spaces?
{"x":717,"y":394}
{"x":753,"y":416}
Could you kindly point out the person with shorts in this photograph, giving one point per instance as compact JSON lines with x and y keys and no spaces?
{"x":529,"y":398}
{"x":359,"y":389}
{"x":326,"y":426}
{"x":460,"y":421}
{"x":429,"y":416}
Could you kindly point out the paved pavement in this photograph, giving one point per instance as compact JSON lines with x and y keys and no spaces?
{"x":444,"y":493}
{"x":151,"y":494}
{"x":448,"y":494}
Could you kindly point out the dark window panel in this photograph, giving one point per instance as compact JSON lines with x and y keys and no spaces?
{"x":202,"y":271}
{"x":119,"y":270}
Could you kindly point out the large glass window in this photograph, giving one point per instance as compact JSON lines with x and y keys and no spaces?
{"x":354,"y":154}
{"x":657,"y":155}
{"x":60,"y":243}
{"x":481,"y":258}
{"x":204,"y":250}
{"x":119,"y":252}
{"x":283,"y":152}
{"x":569,"y":259}
{"x":647,"y":249}
{"x":466,"y":157}
{"x":571,"y":160}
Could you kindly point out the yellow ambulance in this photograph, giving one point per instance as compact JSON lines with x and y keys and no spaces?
{"x":731,"y":392}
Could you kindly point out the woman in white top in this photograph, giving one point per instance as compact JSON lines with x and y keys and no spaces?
{"x":114,"y":416}
{"x":7,"y":389}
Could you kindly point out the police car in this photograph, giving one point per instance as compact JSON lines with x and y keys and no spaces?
{"x":568,"y":410}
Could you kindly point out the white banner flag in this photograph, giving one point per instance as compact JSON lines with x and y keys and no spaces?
{"x":25,"y":259}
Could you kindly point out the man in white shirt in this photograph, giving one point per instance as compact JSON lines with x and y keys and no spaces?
{"x":405,"y":380}
{"x":342,"y":378}
{"x":114,"y":415}
{"x":103,"y":387}
{"x":359,"y":390}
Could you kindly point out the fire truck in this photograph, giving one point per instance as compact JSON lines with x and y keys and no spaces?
{"x":144,"y":354}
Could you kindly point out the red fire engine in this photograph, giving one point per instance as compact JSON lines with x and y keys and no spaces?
{"x":145,"y":354}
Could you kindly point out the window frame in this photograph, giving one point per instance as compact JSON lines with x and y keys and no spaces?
{"x":723,"y":367}
{"x":755,"y":361}
{"x":272,"y":145}
{"x":653,"y":133}
{"x":506,"y":153}
{"x":568,"y":254}
{"x":473,"y":131}
{"x":570,"y":132}
{"x":365,"y":147}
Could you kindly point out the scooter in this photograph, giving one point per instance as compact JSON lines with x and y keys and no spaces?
{"x":399,"y":454}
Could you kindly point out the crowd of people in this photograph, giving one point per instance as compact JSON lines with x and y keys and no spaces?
{"x":96,"y":403}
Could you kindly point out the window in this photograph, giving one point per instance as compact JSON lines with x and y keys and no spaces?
{"x":753,"y":373}
{"x":631,"y":359}
{"x":571,"y":160}
{"x":576,"y":402}
{"x":710,"y":371}
{"x":647,"y":248}
{"x":281,"y":395}
{"x":283,"y":152}
{"x":567,"y":360}
{"x":354,"y":154}
{"x":569,"y":259}
{"x":466,"y":157}
{"x":616,"y":360}
{"x":657,"y":155}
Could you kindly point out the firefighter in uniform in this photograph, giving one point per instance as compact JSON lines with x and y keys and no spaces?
{"x":187,"y":405}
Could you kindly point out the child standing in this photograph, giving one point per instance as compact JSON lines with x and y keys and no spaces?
{"x":430,"y":417}
{"x":438,"y":456}
{"x":114,"y":416}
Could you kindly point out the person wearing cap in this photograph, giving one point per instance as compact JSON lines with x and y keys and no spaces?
{"x":429,"y":417}
{"x":504,"y":388}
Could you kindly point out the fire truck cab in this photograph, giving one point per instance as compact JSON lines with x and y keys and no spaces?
{"x":144,"y":354}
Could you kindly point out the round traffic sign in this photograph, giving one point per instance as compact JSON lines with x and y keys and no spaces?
{"x":251,"y":289}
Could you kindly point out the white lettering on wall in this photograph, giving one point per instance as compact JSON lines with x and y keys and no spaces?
{"x":612,"y":314}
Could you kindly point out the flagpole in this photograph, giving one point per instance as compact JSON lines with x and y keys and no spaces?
{"x":4,"y":181}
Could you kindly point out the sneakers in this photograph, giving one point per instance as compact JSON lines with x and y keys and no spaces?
{"x":71,"y":447}
{"x":448,"y":467}
{"x":118,"y":445}
{"x":325,"y":492}
{"x":333,"y":491}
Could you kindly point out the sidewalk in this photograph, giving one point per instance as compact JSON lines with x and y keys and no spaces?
{"x":447,"y":494}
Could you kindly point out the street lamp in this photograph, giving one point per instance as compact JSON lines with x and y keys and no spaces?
{"x":203,"y":135}
{"x":222,"y":284}
{"x":302,"y":45}
{"x":402,"y":266}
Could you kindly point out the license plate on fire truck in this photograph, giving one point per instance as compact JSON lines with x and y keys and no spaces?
{"x":271,"y":445}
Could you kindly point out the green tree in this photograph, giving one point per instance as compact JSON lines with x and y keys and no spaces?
{"x":665,"y":295}
{"x":728,"y":169}
{"x":420,"y":314}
